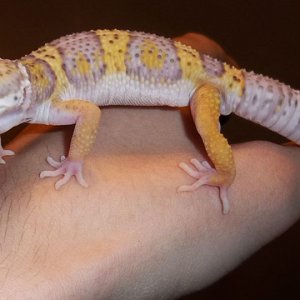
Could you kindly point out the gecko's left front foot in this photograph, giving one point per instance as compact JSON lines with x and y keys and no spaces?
{"x":5,"y":153}
{"x":67,"y":168}
{"x":206,"y":175}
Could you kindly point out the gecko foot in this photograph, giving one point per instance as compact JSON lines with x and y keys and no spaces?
{"x":67,"y":168}
{"x":205,"y":175}
{"x":5,"y":153}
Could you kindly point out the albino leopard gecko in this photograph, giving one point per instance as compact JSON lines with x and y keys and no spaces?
{"x":65,"y":82}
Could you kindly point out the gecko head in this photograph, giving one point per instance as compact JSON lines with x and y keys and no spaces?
{"x":14,"y":93}
{"x":13,"y":83}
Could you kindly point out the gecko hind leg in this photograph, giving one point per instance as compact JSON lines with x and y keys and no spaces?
{"x":205,"y":107}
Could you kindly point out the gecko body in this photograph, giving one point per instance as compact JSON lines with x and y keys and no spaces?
{"x":65,"y":82}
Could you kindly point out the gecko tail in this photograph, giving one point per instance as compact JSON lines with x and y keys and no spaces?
{"x":269,"y":103}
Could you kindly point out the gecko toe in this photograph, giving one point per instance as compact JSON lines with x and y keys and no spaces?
{"x":67,"y":168}
{"x":206,"y":175}
{"x":5,"y":153}
{"x":62,"y":181}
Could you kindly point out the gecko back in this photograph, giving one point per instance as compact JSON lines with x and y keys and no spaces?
{"x":113,"y":67}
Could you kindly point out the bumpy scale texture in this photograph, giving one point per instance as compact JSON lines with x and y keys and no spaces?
{"x":66,"y":80}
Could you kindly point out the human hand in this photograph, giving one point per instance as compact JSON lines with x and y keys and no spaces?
{"x":130,"y":235}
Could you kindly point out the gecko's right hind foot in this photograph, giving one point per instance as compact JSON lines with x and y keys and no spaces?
{"x":206,"y":175}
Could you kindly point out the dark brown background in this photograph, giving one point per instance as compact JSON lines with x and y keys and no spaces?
{"x":261,"y":35}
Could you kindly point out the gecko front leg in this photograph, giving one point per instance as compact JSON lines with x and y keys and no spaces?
{"x":86,"y":117}
{"x":4,"y":152}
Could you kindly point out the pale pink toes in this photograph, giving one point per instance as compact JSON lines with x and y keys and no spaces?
{"x":201,"y":171}
{"x":5,"y":153}
{"x":67,"y":168}
{"x":204,"y":175}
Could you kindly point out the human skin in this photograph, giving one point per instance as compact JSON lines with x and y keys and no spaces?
{"x":130,"y":235}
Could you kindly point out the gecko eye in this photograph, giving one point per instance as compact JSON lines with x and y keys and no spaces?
{"x":9,"y":101}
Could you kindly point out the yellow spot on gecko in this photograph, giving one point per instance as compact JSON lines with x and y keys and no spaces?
{"x":151,"y":56}
{"x":114,"y":44}
{"x":234,"y":79}
{"x":37,"y":71}
{"x":82,"y":64}
{"x":51,"y":55}
{"x":41,"y":77}
{"x":190,"y":62}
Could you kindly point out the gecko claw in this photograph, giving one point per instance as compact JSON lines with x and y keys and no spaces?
{"x":67,"y":168}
